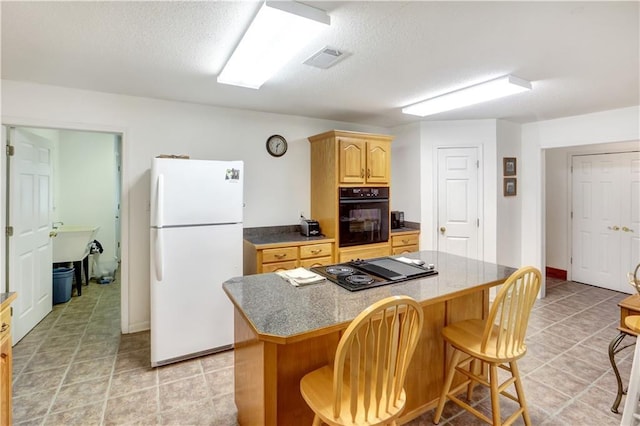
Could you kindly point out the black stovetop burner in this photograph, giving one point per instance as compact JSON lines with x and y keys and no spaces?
{"x":362,"y":274}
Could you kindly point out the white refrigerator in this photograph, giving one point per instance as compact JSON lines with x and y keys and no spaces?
{"x":196,"y":245}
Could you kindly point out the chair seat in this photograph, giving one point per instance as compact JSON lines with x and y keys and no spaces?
{"x":317,"y":390}
{"x":467,"y":337}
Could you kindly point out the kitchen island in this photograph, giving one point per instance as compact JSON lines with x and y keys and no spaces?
{"x":282,"y":332}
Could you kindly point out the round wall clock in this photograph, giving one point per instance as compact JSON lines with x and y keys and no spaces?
{"x":276,"y":145}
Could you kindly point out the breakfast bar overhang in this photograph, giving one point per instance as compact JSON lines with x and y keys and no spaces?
{"x":283,"y":332}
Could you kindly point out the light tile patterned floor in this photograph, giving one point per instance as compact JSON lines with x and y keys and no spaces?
{"x":75,"y":368}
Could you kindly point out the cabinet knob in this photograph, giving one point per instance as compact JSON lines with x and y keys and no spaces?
{"x":281,"y":256}
{"x":316,"y":251}
{"x":368,"y":173}
{"x":405,"y":241}
{"x":361,"y":173}
{"x":4,"y":327}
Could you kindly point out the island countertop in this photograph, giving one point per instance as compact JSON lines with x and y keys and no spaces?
{"x":281,"y":313}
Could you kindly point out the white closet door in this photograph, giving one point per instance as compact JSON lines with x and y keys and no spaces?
{"x":605,"y":218}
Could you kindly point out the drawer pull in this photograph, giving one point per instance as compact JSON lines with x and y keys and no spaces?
{"x":281,"y":256}
{"x":4,"y":327}
{"x":405,"y":241}
{"x":316,"y":251}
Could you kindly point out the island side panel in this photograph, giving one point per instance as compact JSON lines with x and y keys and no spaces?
{"x":294,"y":361}
{"x":255,"y":382}
{"x":425,"y":375}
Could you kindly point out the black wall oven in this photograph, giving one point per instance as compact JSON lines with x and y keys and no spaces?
{"x":364,"y":215}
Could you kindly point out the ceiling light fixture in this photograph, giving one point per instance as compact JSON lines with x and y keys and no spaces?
{"x":482,"y":92}
{"x":277,"y":33}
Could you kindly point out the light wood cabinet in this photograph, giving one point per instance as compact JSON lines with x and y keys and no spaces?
{"x":406,"y":242}
{"x":5,"y":361}
{"x":341,"y":159}
{"x":364,"y":161}
{"x":283,"y":256}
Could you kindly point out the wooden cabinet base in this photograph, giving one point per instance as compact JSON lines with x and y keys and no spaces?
{"x":267,"y":374}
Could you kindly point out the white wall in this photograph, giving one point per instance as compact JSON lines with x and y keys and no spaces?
{"x":508,"y":209}
{"x":276,"y":189}
{"x":463,"y":133}
{"x":558,"y":197}
{"x":589,"y":129}
{"x":406,"y":171}
{"x":86,"y":187}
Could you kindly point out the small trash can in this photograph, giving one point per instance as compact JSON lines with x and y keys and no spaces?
{"x":62,"y":281}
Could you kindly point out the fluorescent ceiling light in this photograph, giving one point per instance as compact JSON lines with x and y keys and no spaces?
{"x":277,"y":33}
{"x":493,"y":89}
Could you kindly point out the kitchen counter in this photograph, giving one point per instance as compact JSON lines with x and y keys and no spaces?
{"x":282,"y":332}
{"x":6,"y":298}
{"x":278,"y":235}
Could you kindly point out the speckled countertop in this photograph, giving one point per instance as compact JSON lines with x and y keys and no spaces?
{"x":281,"y":312}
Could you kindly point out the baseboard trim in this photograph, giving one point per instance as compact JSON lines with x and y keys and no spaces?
{"x":139,"y":326}
{"x":556,"y":273}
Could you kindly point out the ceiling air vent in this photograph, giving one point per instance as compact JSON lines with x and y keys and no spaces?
{"x":325,"y":58}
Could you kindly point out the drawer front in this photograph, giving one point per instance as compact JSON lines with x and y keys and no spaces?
{"x":363,"y":253}
{"x":317,"y":261}
{"x":404,"y":249}
{"x":315,"y":250}
{"x":280,"y":254}
{"x":404,"y":240}
{"x":278,"y":266}
{"x":5,"y":322}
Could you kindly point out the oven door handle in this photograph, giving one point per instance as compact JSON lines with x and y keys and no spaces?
{"x":364,"y":200}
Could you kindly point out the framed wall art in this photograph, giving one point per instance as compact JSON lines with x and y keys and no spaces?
{"x":510,"y":187}
{"x":509,"y":166}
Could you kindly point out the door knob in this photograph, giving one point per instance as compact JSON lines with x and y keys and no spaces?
{"x":443,"y":229}
{"x":614,"y":228}
{"x":625,"y":229}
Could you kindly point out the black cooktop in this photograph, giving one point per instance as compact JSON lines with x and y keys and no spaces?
{"x":362,"y":274}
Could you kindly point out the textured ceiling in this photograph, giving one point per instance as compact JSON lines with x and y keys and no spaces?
{"x":580,"y":56}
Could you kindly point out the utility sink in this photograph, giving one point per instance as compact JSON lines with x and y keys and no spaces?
{"x":71,"y":243}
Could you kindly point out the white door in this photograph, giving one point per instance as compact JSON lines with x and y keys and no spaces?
{"x":29,"y":252}
{"x":605,"y":219}
{"x":458,"y":218}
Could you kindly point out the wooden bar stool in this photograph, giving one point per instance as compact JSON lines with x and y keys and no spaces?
{"x":496,"y":341}
{"x":631,"y":412}
{"x":365,"y":384}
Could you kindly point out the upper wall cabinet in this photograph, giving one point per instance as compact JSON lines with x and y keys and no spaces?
{"x":364,"y":161}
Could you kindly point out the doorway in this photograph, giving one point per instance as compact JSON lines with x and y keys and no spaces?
{"x":85,"y":190}
{"x":605,"y":214}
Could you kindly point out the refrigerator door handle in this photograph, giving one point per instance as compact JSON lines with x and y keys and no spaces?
{"x":160,"y":201}
{"x":159,"y":260}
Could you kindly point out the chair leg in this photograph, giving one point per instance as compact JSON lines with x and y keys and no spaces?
{"x":520,"y":392}
{"x":472,"y":370}
{"x":447,"y":385}
{"x":316,"y":421}
{"x":495,"y":395}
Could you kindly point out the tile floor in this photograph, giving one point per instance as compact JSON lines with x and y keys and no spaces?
{"x":75,"y":368}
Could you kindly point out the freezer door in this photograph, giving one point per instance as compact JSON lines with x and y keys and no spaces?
{"x":188,"y":192}
{"x":190,"y":313}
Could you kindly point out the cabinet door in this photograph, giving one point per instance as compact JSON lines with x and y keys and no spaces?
{"x":404,"y":250}
{"x":5,"y":380}
{"x":378,"y":162}
{"x":316,"y":261}
{"x":278,"y":266}
{"x":352,"y":160}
